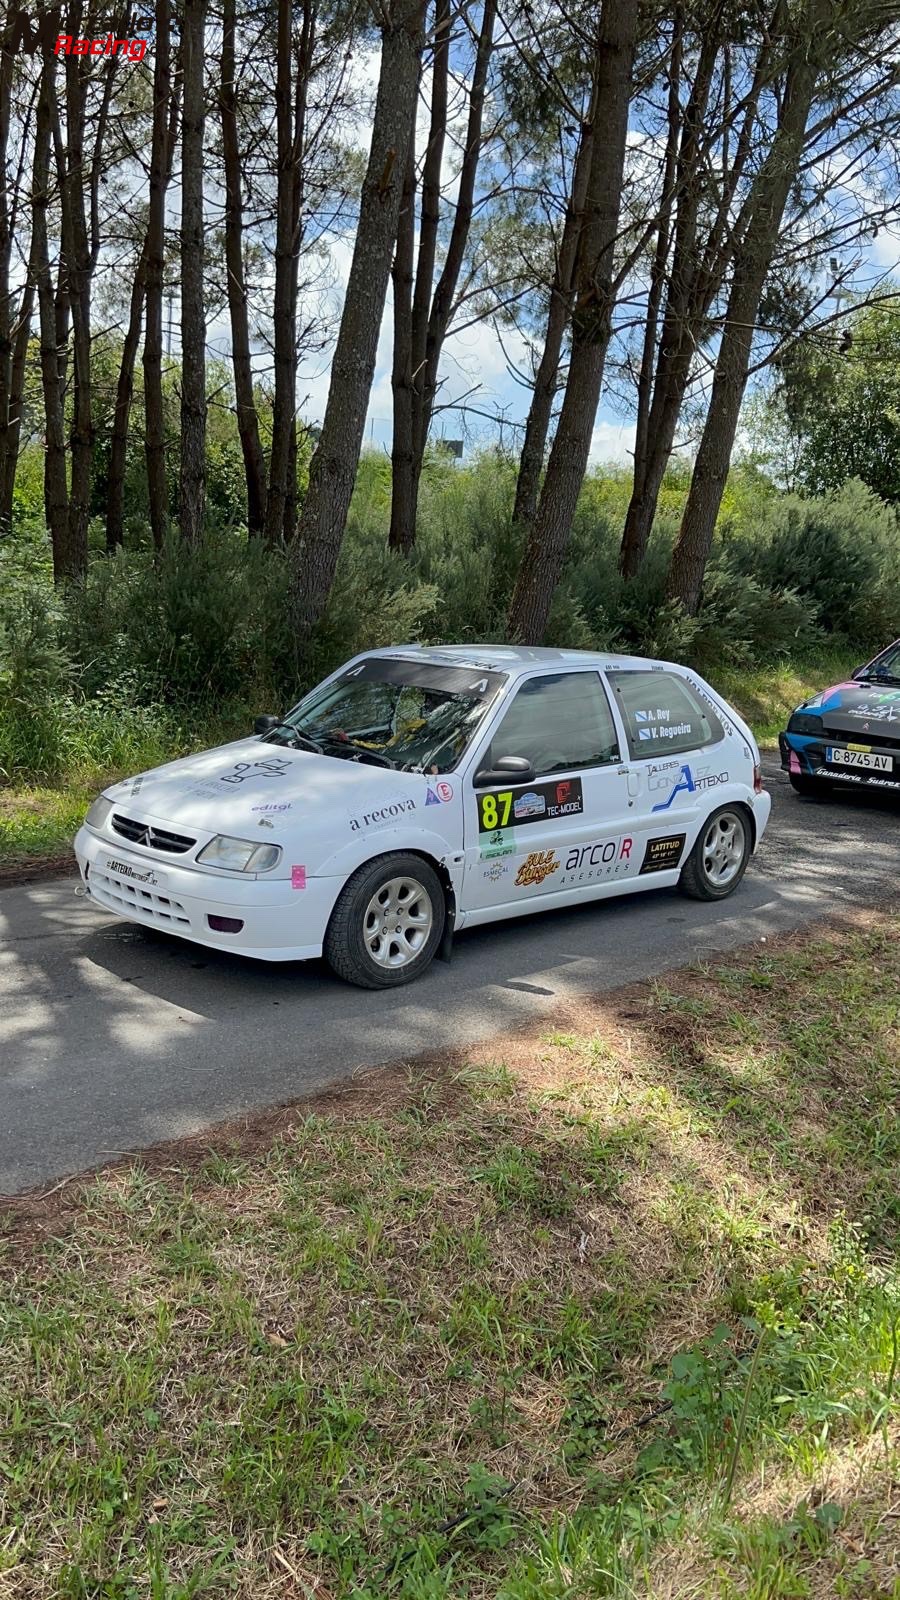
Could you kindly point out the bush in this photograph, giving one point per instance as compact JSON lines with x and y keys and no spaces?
{"x":197,"y":626}
{"x":839,"y":554}
{"x":160,"y":650}
{"x":48,"y":726}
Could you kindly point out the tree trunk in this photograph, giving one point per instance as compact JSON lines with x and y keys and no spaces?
{"x":247,"y":419}
{"x":6,"y":341}
{"x":548,"y":541}
{"x":290,"y":117}
{"x":14,"y":331}
{"x":160,"y":162}
{"x":768,"y":200}
{"x":66,"y":562}
{"x":115,"y":494}
{"x":402,"y":490}
{"x":334,"y":463}
{"x":546,"y":378}
{"x":652,"y":457}
{"x":22,"y":336}
{"x":192,"y":485}
{"x":695,"y":277}
{"x":427,"y":346}
{"x":75,"y":255}
{"x":412,"y":289}
{"x":637,"y":531}
{"x":115,"y":499}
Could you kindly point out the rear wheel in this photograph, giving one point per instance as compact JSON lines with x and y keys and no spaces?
{"x":387,"y":923}
{"x":719,"y":858}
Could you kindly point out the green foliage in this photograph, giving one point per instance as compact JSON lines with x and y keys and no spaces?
{"x":159,"y":649}
{"x":835,"y":412}
{"x":840,"y":554}
{"x":48,"y":723}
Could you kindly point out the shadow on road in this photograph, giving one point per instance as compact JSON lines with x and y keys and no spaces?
{"x":115,"y":1037}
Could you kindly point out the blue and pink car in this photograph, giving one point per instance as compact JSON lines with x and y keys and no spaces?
{"x":850,"y":733}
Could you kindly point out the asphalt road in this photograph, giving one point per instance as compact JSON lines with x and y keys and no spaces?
{"x":113,"y":1038}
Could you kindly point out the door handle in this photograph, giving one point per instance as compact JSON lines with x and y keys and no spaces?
{"x":633,"y":780}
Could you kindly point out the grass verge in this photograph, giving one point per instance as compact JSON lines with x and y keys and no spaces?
{"x":611,"y":1310}
{"x":766,"y":697}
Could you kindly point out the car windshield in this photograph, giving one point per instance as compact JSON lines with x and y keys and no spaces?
{"x":415,"y":716}
{"x":884,"y":669}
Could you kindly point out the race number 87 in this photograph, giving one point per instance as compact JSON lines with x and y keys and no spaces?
{"x":493,"y":810}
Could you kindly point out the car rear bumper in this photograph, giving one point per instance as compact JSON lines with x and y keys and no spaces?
{"x":762,"y":810}
{"x":277,"y":922}
{"x":806,"y":756}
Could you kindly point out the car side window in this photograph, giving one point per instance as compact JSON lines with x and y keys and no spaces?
{"x":558,"y":722}
{"x":662,"y":714}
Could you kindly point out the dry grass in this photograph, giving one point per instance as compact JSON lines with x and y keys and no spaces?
{"x":486,"y":1327}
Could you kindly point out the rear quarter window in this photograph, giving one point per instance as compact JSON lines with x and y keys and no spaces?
{"x":662,"y":714}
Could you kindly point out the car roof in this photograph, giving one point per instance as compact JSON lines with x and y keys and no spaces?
{"x":515,"y":659}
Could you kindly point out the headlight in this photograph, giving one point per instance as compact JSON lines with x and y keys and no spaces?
{"x":805,"y":722}
{"x":98,"y":813}
{"x":239,"y":855}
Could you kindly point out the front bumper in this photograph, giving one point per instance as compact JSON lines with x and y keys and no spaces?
{"x":806,"y":756}
{"x":278,"y":923}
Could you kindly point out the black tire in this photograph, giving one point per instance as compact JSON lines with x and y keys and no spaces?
{"x":803,"y":784}
{"x":699,"y":873}
{"x":348,"y":946}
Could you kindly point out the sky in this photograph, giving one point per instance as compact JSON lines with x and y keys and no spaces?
{"x":475,"y":364}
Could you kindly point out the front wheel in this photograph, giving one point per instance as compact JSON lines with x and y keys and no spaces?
{"x":719,"y":858}
{"x":387,"y":923}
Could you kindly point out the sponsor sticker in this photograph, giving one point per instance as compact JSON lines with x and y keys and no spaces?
{"x":535,"y":868}
{"x":502,"y":842}
{"x":604,"y":858}
{"x":494,"y":871}
{"x":284,"y":805}
{"x":529,"y":805}
{"x":271,"y":767}
{"x":497,"y":808}
{"x":688,"y":782}
{"x":382,"y":816}
{"x":661,"y":855}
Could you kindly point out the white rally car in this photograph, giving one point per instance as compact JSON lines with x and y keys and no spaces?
{"x":418,"y":791}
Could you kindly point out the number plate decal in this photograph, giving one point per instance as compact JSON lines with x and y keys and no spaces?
{"x":853,"y":756}
{"x":143,"y":877}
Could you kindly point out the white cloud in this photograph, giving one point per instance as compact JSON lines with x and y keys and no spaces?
{"x":613,"y":442}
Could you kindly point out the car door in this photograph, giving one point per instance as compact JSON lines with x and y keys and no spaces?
{"x":570,"y":827}
{"x":672,"y":737}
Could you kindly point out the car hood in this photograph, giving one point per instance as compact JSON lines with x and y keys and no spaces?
{"x":858,"y":707}
{"x":249,"y":784}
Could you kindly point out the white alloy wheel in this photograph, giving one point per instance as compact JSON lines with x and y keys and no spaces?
{"x":397,"y":922}
{"x":724,"y":848}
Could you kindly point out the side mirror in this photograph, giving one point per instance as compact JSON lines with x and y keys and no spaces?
{"x":508,"y":769}
{"x":265,"y":723}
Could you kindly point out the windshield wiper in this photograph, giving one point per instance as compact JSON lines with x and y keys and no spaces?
{"x":879,"y":677}
{"x":300,"y":741}
{"x":375,"y":757}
